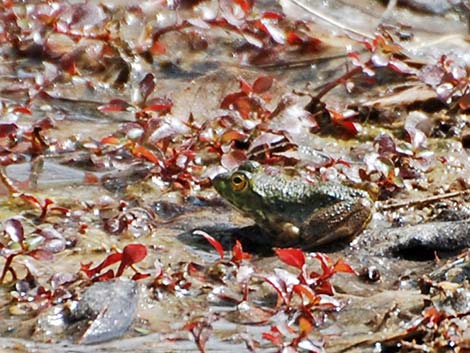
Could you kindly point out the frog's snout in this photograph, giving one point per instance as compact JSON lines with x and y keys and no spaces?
{"x":219,"y":182}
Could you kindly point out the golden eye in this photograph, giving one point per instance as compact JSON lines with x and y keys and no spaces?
{"x":239,"y":182}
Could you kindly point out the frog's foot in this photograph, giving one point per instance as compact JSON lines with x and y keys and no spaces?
{"x":288,"y":234}
{"x":342,"y":220}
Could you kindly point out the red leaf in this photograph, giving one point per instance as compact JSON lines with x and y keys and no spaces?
{"x":230,"y":99}
{"x":142,"y":152}
{"x":7,"y":129}
{"x":70,"y":66}
{"x":159,"y":105}
{"x":273,"y":15}
{"x":304,"y":290}
{"x":23,"y":110}
{"x":291,"y":256}
{"x":246,"y":105}
{"x":261,"y":27}
{"x":33,"y":200}
{"x":274,"y":338}
{"x":58,"y":209}
{"x":105,"y":276}
{"x":246,"y":5}
{"x":233,"y":159}
{"x":311,"y":45}
{"x":45,"y":124}
{"x":325,"y":262}
{"x":114,"y":105}
{"x":90,"y":179}
{"x":245,"y":87}
{"x":42,"y":255}
{"x":215,"y":243}
{"x":386,"y":145}
{"x":147,"y":85}
{"x":305,"y":326}
{"x":157,"y":48}
{"x":139,"y":275}
{"x":350,"y":126}
{"x":294,"y":39}
{"x":110,"y":140}
{"x":464,"y":102}
{"x":325,"y":288}
{"x":131,"y":254}
{"x":341,"y":266}
{"x":262,"y":84}
{"x":14,"y":229}
{"x":238,"y":254}
{"x":190,"y":325}
{"x":233,"y":135}
{"x":111,"y":259}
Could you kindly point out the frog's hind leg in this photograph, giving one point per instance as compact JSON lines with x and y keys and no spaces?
{"x":344,"y":219}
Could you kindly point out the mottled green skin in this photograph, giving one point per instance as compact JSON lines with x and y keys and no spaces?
{"x":294,"y":211}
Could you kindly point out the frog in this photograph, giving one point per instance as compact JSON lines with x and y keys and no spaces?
{"x":294,"y":211}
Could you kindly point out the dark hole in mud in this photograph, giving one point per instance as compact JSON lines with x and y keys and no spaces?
{"x":419,"y":253}
{"x":428,"y":106}
{"x":252,"y":238}
{"x":415,"y":254}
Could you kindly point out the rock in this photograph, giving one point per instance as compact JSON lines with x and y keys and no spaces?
{"x":418,"y":242}
{"x":105,"y":311}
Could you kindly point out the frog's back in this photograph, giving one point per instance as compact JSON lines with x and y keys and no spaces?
{"x":296,"y":198}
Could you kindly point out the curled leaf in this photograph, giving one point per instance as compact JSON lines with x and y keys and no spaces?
{"x":214,"y":242}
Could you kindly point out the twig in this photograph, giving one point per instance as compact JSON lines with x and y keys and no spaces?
{"x":380,"y":206}
{"x":330,"y":20}
{"x":311,"y":106}
{"x":298,"y":63}
{"x":12,"y":189}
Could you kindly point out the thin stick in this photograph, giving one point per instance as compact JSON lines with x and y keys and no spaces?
{"x":12,"y":189}
{"x":380,"y":206}
{"x":331,"y":21}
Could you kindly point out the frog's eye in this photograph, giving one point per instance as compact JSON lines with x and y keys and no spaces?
{"x":239,"y":182}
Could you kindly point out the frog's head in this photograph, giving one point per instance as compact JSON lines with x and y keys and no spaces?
{"x":237,"y":187}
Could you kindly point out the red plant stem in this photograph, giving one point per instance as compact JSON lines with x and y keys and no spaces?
{"x":45,"y":208}
{"x":197,"y":339}
{"x":7,"y":182}
{"x":328,"y":87}
{"x":7,"y":265}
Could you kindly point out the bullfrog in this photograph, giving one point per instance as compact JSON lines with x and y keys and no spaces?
{"x":293,"y":211}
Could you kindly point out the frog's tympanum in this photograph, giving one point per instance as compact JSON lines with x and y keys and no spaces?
{"x":293,"y":211}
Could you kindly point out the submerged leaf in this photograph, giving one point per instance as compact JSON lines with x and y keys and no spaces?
{"x":114,"y":105}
